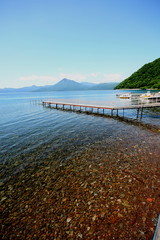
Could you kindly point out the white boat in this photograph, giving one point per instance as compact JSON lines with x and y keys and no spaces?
{"x":145,"y":95}
{"x":150,"y":96}
{"x":124,"y":96}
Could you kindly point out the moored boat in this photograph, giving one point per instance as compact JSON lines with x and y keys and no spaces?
{"x":155,"y":97}
{"x":145,"y":95}
{"x":124,"y":96}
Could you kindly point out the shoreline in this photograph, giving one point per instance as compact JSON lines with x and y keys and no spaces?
{"x":139,"y":89}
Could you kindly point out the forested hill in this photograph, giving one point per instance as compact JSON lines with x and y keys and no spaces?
{"x":147,"y":77}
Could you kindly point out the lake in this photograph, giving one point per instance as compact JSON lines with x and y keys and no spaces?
{"x":70,"y":175}
{"x":29,"y":133}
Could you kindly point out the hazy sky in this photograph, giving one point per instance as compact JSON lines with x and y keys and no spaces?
{"x":43,"y":41}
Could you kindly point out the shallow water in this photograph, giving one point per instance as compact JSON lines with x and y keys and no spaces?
{"x":29,"y":133}
{"x":66,"y":175}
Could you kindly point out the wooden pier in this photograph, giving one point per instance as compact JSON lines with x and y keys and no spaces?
{"x":114,"y":110}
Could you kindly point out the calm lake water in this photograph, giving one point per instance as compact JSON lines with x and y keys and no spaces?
{"x":30,"y":133}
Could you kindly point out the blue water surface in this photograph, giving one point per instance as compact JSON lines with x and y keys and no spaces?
{"x":26,"y":127}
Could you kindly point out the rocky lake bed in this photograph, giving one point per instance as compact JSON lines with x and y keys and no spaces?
{"x":108,"y":190}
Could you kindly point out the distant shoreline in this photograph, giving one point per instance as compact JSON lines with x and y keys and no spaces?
{"x":17,"y":90}
{"x":137,"y":89}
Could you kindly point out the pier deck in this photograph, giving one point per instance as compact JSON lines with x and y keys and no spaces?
{"x":85,"y":107}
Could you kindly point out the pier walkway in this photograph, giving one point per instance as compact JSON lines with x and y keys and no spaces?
{"x":90,"y":108}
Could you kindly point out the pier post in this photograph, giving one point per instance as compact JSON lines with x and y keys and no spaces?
{"x":137,"y":113}
{"x":141,"y":113}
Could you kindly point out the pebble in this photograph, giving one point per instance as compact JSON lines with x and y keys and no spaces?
{"x":80,"y":235}
{"x":1,"y":184}
{"x":94,"y":218}
{"x":3,"y":199}
{"x":69,"y":219}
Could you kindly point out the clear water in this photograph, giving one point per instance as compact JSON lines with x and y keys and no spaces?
{"x":29,"y":133}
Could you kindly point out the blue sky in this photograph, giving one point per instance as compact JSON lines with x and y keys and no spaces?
{"x":43,"y":41}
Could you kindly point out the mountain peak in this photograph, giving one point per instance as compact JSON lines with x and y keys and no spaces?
{"x":68,"y":85}
{"x":66,"y":80}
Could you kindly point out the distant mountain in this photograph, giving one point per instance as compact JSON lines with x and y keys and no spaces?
{"x":88,"y":84}
{"x":147,"y":77}
{"x":105,"y":86}
{"x":63,"y":85}
{"x":71,"y":85}
{"x":24,"y":89}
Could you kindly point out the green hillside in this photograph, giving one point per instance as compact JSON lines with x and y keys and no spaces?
{"x":147,"y":77}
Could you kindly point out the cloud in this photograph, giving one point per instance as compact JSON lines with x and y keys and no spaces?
{"x":76,"y":76}
{"x":39,"y":78}
{"x":115,"y":77}
{"x":94,"y":75}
